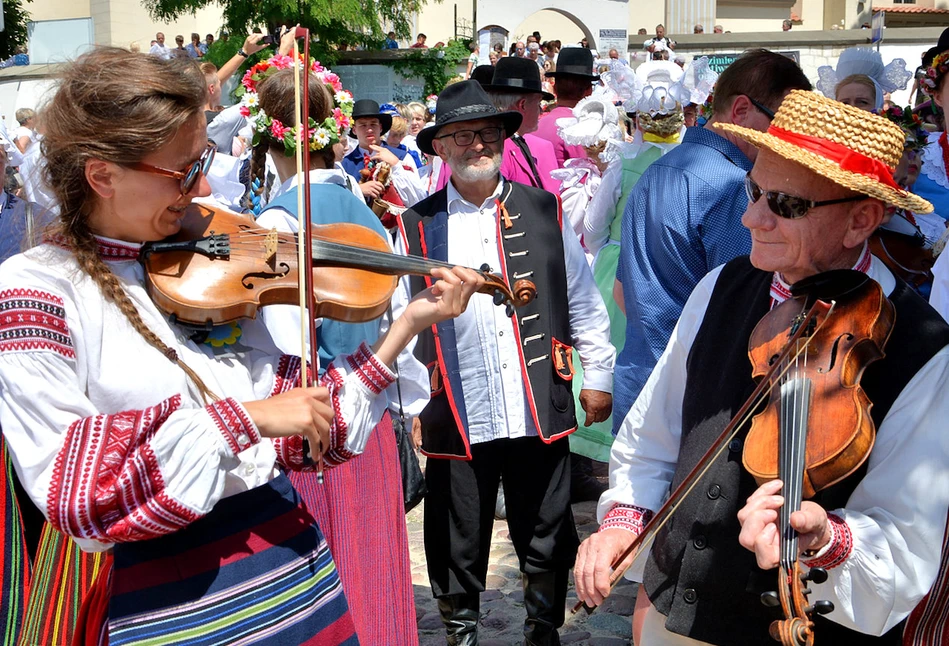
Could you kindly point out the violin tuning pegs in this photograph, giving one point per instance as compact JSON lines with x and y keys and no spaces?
{"x":821,"y":607}
{"x":498,"y":297}
{"x":770,"y":599}
{"x":509,"y":310}
{"x":816,"y":574}
{"x":486,"y":268}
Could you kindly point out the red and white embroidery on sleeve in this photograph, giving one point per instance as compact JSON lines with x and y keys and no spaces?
{"x":33,"y":320}
{"x":374,"y":375}
{"x":838,"y":549}
{"x":107,"y":484}
{"x":628,"y":517}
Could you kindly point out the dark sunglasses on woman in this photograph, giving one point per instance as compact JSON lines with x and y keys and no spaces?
{"x":189,"y":177}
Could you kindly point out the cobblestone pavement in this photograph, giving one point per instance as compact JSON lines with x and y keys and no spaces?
{"x":502,"y":607}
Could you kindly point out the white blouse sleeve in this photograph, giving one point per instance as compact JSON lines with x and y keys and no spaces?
{"x":599,"y":215}
{"x":122,"y":476}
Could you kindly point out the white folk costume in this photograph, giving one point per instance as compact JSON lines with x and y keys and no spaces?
{"x":115,"y":445}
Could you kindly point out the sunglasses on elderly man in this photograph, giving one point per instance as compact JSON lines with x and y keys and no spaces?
{"x":789,"y":207}
{"x":189,"y":177}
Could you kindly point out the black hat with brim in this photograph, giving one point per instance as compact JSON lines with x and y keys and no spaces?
{"x":464,"y":101}
{"x":483,"y":75}
{"x":576,"y":62}
{"x":369,"y":108}
{"x":518,"y":76}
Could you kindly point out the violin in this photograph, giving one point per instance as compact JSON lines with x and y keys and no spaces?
{"x":815,"y":429}
{"x":221,"y":267}
{"x":810,"y":420}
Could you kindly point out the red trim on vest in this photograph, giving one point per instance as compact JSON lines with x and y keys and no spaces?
{"x":462,"y":429}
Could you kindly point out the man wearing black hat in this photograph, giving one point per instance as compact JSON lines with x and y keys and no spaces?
{"x":501,"y":386}
{"x":369,"y":125}
{"x":527,"y":159}
{"x":573,"y":80}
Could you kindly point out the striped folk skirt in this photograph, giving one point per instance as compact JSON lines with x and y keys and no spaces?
{"x":359,"y":507}
{"x":255,"y":570}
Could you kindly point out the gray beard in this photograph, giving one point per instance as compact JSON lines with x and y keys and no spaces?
{"x":468,"y":174}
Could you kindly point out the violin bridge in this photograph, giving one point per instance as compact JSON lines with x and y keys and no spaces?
{"x":271,"y":246}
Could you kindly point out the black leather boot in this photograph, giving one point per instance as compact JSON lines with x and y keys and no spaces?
{"x":545,"y":599}
{"x":460,"y":614}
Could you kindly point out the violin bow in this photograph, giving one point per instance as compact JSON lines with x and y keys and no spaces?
{"x":301,"y":90}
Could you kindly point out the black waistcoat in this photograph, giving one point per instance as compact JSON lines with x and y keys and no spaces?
{"x":533,"y":249}
{"x":698,"y":575}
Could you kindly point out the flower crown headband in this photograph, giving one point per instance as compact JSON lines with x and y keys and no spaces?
{"x":911,"y":124}
{"x":319,"y":135}
{"x":938,"y":69}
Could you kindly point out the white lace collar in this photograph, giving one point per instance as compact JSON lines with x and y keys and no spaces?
{"x":934,"y":166}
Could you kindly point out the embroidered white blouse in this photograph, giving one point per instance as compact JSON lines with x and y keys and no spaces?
{"x":885,"y":552}
{"x":111,"y":439}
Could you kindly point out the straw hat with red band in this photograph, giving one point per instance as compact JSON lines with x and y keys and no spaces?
{"x":851,"y":147}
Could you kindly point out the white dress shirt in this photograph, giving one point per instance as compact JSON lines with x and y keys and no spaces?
{"x":897,"y":513}
{"x":491,"y":378}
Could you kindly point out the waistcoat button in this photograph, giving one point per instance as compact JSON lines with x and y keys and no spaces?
{"x":714,"y":492}
{"x":699,"y":542}
{"x":690,"y":595}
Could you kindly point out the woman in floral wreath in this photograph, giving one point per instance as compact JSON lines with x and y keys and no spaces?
{"x":132,"y":435}
{"x":359,"y":506}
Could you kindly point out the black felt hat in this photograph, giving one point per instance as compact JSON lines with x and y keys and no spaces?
{"x":369,"y":108}
{"x":465,"y":101}
{"x":483,"y":75}
{"x":576,"y":62}
{"x":518,"y":75}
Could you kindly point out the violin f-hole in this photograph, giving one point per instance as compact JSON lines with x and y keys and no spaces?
{"x":846,"y":336}
{"x":284,"y":269}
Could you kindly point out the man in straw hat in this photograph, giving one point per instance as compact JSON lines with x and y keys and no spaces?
{"x":817,"y":191}
{"x":502,"y":402}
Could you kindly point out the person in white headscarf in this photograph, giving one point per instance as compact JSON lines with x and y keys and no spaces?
{"x":844,"y":83}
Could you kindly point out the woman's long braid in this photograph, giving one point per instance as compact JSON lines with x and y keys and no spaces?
{"x":258,"y":194}
{"x":85,"y":247}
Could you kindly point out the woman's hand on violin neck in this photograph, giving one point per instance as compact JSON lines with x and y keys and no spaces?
{"x":446,"y":298}
{"x":300,"y":411}
{"x":759,"y":530}
{"x":593,"y":568}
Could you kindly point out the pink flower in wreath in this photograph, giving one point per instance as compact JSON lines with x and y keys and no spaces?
{"x":245,"y":111}
{"x":277,"y":129}
{"x":281,"y":62}
{"x":341,"y":118}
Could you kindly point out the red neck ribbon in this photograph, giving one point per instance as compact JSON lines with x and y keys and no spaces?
{"x":844,"y":157}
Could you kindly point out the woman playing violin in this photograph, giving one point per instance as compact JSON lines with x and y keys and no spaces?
{"x":131,"y":435}
{"x":816,"y":193}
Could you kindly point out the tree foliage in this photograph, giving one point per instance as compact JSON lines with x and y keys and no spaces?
{"x":436,"y":66}
{"x":363,"y":22}
{"x":15,"y":19}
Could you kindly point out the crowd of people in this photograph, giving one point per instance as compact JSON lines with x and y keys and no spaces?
{"x":587,"y":255}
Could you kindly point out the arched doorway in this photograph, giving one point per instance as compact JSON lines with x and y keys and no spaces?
{"x":552,"y":24}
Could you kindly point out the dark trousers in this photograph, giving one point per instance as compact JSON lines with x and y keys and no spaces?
{"x":459,"y":511}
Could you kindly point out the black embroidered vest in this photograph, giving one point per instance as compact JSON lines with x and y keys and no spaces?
{"x":533,"y":249}
{"x":698,"y":575}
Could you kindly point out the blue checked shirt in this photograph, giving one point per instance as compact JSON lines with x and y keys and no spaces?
{"x":682,"y":220}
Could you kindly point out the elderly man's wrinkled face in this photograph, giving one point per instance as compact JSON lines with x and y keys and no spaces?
{"x":478,"y":160}
{"x":821,"y":240}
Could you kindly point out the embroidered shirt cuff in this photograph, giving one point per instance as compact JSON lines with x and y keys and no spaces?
{"x":838,"y":549}
{"x":629,"y":517}
{"x":373,"y":374}
{"x":236,"y":427}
